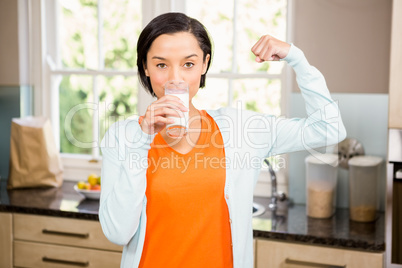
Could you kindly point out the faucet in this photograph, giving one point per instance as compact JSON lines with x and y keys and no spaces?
{"x":275,"y":195}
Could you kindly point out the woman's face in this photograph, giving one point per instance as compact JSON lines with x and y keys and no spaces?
{"x":175,"y":57}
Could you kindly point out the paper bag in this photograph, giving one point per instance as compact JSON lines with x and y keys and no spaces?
{"x":34,"y":157}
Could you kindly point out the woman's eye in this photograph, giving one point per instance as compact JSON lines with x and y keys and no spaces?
{"x":161,"y":65}
{"x":188,"y":64}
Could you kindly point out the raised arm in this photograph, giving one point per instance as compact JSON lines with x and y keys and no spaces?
{"x":323,"y":125}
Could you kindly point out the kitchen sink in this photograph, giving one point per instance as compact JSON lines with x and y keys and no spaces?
{"x":258,"y":209}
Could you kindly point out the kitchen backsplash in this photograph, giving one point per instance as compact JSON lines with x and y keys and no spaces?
{"x":366,"y":119}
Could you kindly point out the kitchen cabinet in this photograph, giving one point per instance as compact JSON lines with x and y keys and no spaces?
{"x":43,"y":241}
{"x":271,"y":253}
{"x":31,"y":254}
{"x":6,"y":240}
{"x":36,"y":228}
{"x":395,"y":78}
{"x":254,"y":247}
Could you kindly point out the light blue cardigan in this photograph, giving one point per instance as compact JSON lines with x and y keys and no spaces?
{"x":249,"y":137}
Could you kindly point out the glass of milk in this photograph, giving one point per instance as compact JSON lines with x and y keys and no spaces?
{"x":179,"y":89}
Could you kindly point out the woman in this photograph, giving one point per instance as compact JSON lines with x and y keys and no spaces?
{"x":187,"y":202}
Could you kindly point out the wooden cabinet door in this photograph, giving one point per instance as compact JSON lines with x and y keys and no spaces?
{"x":288,"y":255}
{"x":254,"y":249}
{"x":62,"y":231}
{"x":6,"y":240}
{"x":39,"y":255}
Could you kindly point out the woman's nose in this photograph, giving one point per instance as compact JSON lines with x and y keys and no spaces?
{"x":174,"y":74}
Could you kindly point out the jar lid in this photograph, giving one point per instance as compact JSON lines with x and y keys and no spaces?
{"x":365,"y":161}
{"x":323,"y":159}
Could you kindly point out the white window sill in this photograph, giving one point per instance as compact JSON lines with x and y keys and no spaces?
{"x":78,"y":167}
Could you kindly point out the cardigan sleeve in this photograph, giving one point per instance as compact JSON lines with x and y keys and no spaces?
{"x":123,"y":178}
{"x":323,"y":125}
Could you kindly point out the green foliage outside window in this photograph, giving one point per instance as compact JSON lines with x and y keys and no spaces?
{"x":121,"y":25}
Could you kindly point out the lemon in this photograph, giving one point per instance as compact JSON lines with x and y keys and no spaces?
{"x":92,"y":175}
{"x":93,"y":179}
{"x":82,"y":185}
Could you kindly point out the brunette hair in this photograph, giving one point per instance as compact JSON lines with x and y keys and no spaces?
{"x":170,"y":23}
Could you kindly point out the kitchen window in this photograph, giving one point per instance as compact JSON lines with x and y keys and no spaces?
{"x":89,"y":77}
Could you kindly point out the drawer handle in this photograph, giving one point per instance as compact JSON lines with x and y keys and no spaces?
{"x":45,"y":231}
{"x":312,"y":264}
{"x":75,"y":263}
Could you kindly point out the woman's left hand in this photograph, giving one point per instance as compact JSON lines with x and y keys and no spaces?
{"x":269,"y":48}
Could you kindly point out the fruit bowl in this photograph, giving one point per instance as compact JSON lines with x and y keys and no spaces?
{"x":90,"y":194}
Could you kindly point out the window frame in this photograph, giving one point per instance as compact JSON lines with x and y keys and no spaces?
{"x":43,"y":43}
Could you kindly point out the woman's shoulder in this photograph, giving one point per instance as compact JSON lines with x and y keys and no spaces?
{"x":223,"y":111}
{"x":129,"y":123}
{"x":233,"y":113}
{"x":124,"y":128}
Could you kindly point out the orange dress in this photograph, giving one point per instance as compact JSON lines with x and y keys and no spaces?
{"x":187,"y":216}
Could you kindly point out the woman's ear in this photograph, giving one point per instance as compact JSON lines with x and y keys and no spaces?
{"x":205,"y":64}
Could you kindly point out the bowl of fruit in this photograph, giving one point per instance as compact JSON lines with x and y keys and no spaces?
{"x":89,"y":188}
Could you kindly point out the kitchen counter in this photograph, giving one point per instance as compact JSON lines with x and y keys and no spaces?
{"x":287,"y":224}
{"x":292,"y":225}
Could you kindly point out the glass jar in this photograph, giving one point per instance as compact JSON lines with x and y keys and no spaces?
{"x":364,"y":172}
{"x":321,"y":182}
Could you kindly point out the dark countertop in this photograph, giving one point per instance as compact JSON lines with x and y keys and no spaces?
{"x":58,"y":202}
{"x":290,"y":224}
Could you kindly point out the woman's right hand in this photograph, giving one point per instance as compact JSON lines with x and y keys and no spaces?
{"x":156,"y":116}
